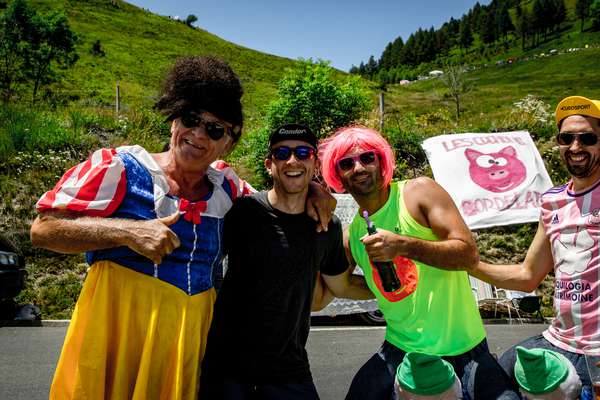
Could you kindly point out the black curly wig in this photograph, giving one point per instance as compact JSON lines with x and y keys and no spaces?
{"x":203,"y":83}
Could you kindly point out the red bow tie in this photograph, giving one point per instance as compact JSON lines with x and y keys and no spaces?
{"x":192,"y":211}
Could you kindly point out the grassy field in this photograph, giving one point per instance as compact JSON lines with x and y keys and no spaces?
{"x":496,"y":87}
{"x":139,"y":46}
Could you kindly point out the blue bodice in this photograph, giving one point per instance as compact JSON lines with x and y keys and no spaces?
{"x":190,"y":266}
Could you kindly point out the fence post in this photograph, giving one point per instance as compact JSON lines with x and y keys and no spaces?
{"x":118,"y":100}
{"x":381,"y":110}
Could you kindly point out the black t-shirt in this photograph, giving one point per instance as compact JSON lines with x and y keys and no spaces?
{"x":262,"y":313}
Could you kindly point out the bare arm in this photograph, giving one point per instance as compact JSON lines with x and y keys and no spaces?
{"x":525,"y":277}
{"x":431,"y":206}
{"x":349,"y":286}
{"x":67,"y":233}
{"x":320,"y":205}
{"x":345,"y":285}
{"x":321,"y":296}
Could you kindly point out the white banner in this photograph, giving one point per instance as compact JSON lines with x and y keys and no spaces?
{"x":494,"y":178}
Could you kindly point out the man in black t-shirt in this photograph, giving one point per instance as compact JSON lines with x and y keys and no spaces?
{"x":256,"y":347}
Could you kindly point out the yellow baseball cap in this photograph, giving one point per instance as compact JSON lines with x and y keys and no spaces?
{"x":577,"y":105}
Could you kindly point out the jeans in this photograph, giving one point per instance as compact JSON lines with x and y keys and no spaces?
{"x":481,"y":376}
{"x":509,"y":357}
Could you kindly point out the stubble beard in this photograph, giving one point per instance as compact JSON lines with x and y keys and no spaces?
{"x":583,"y":171}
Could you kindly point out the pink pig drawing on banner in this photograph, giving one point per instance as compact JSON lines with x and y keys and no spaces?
{"x":496,"y":172}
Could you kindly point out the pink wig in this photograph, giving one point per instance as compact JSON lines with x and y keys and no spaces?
{"x":344,"y":141}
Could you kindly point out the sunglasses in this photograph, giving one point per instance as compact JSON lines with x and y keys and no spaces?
{"x":191,"y":119}
{"x":283,"y":153}
{"x":347,"y":163}
{"x":586,"y":139}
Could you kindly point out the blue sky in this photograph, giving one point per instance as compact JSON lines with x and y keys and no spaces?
{"x":344,"y":32}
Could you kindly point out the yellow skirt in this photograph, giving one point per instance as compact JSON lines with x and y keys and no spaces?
{"x":132,"y":336}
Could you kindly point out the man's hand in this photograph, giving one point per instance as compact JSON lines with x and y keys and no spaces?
{"x":384,"y":245}
{"x":320,"y":205}
{"x":153,"y":238}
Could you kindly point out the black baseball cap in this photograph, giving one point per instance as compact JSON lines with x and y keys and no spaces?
{"x":293,"y":132}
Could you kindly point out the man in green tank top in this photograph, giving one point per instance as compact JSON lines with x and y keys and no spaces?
{"x":420,"y":230}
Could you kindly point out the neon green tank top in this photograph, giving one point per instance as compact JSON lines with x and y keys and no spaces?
{"x":434,"y":311}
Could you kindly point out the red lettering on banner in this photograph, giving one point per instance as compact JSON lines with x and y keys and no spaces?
{"x":531,"y":199}
{"x":454,"y":144}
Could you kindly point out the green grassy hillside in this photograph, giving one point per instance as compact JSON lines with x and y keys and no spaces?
{"x":495,"y":88}
{"x":139,"y":46}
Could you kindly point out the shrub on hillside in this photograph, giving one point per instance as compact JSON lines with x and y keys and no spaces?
{"x":33,"y":47}
{"x":144,"y":127}
{"x":554,"y":163}
{"x":311,"y":94}
{"x":54,"y":284}
{"x":257,"y":142}
{"x":532,"y":114}
{"x":29,"y":130}
{"x":410,"y":157}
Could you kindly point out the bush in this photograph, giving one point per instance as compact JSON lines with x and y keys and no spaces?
{"x":53,"y":283}
{"x":30,"y":130}
{"x":144,"y":127}
{"x":310,"y":94}
{"x":532,"y":114}
{"x":257,"y":142}
{"x":410,"y":156}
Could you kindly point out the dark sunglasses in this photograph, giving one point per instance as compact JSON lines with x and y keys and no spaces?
{"x":347,"y":163}
{"x":283,"y":153}
{"x":191,"y":119}
{"x":586,"y":139}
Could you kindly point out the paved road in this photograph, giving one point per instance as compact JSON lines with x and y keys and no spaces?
{"x":28,"y":356}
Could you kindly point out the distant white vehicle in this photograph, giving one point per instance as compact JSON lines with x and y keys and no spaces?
{"x":553,"y":52}
{"x":436,"y":72}
{"x":404,"y":82}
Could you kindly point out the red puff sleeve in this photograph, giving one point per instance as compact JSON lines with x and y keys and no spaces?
{"x":95,"y":187}
{"x":238,"y":186}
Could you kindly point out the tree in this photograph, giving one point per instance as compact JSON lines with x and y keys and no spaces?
{"x":465,"y":35}
{"x":385,"y":61}
{"x":456,"y":85}
{"x":310,"y":94}
{"x":503,"y":21}
{"x":189,"y":21}
{"x":31,"y":46}
{"x":12,"y":42}
{"x":539,"y":19}
{"x":488,"y":31}
{"x":582,"y":9}
{"x":371,"y":67}
{"x":475,"y":15}
{"x":54,"y":45}
{"x":443,"y":43}
{"x":397,"y":46}
{"x":524,"y":26}
{"x":559,"y":13}
{"x":407,"y":54}
{"x":595,"y":14}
